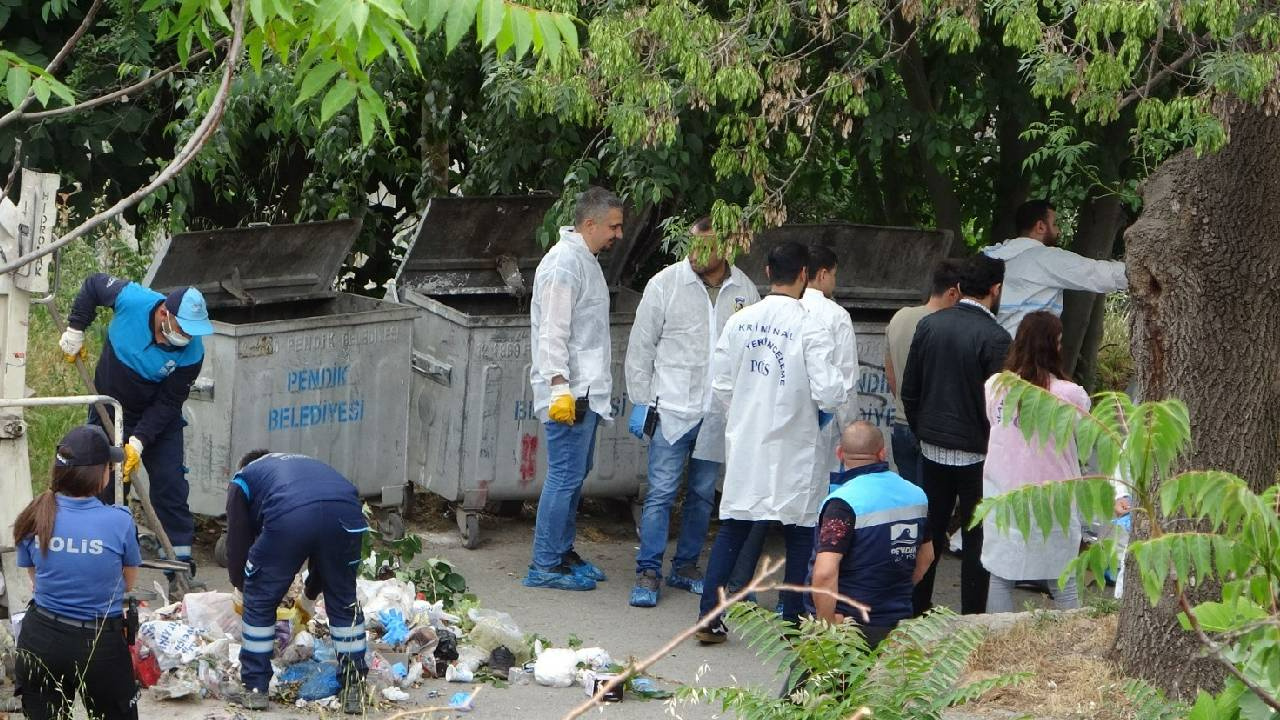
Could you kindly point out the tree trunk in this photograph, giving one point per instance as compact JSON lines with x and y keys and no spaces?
{"x":1204,"y":265}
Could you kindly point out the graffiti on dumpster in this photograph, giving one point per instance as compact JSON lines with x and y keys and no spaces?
{"x":528,"y":458}
{"x":875,"y":404}
{"x":523,"y":409}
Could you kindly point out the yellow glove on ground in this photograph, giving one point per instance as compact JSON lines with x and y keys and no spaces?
{"x":562,"y":408}
{"x":132,"y":457}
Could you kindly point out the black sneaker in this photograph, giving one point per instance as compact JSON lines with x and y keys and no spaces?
{"x":713,"y":634}
{"x":352,"y":698}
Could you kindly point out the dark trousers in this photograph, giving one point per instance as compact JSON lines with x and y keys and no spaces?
{"x":906,"y":453}
{"x":163,"y":459}
{"x":724,"y":554}
{"x":326,"y":535}
{"x":945,"y":485}
{"x":55,"y":659}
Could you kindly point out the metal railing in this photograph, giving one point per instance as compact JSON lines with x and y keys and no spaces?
{"x":82,"y":400}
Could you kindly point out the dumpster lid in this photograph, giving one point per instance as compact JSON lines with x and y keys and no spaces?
{"x":258,"y":264}
{"x":476,"y":245}
{"x":879,"y":267}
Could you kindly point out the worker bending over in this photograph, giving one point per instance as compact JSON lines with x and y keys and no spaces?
{"x":678,"y":322}
{"x":284,"y":510}
{"x":151,"y":357}
{"x":872,"y":543}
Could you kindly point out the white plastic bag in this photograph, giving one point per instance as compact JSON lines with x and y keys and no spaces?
{"x":556,"y":667}
{"x":594,"y":658}
{"x":378,"y":595}
{"x":212,"y":613}
{"x":173,"y":643}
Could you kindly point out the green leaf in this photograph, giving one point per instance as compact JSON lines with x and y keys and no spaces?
{"x":489,"y":20}
{"x":461,"y":14}
{"x":366,"y":121}
{"x":258,"y":13}
{"x":316,"y":78}
{"x":17,"y":82}
{"x":40,"y":88}
{"x":434,"y":13}
{"x":338,"y":97}
{"x":550,"y":37}
{"x":568,"y":31}
{"x":359,"y":15}
{"x":506,"y":36}
{"x":220,"y":15}
{"x":521,"y":29}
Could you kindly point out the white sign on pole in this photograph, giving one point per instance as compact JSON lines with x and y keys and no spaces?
{"x":37,"y":213}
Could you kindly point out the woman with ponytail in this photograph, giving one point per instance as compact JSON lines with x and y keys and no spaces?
{"x":82,"y":557}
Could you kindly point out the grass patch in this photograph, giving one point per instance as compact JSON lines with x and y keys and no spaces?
{"x":1115,"y":360}
{"x":1072,"y":677}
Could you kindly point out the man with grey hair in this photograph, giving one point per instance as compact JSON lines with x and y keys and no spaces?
{"x":572,"y":385}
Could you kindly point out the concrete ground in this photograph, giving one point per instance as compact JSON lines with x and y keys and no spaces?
{"x":599,"y":618}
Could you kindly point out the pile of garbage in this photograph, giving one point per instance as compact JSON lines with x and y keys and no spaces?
{"x":190,"y":649}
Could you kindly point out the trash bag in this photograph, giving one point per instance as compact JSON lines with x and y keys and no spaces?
{"x":446,"y":652}
{"x":375,"y":596}
{"x":501,"y":660}
{"x":556,"y":667}
{"x":594,"y":658}
{"x":145,"y":669}
{"x":302,"y":648}
{"x":211,"y":613}
{"x":496,"y":629}
{"x":318,"y":680}
{"x":422,"y":639}
{"x":471,"y":658}
{"x":172,"y":643}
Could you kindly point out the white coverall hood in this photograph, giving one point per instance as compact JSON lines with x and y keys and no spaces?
{"x":569,"y":318}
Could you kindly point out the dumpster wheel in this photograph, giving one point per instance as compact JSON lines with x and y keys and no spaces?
{"x":469,"y":526}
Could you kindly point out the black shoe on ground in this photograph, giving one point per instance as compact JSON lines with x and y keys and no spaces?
{"x":713,"y":634}
{"x":352,"y":697}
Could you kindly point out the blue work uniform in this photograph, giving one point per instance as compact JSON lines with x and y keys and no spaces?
{"x":72,"y":636}
{"x":151,"y":381}
{"x":877,"y":521}
{"x":284,"y":510}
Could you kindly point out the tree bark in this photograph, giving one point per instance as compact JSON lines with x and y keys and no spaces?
{"x":1203,"y":266}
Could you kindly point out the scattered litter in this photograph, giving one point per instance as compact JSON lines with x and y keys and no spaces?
{"x":172,"y":643}
{"x":463,"y":701}
{"x":593,"y":682}
{"x":176,"y":686}
{"x":648,"y":689}
{"x":212,"y":613}
{"x":395,"y":631}
{"x":494,"y":629}
{"x":453,"y":673}
{"x":395,"y":694}
{"x":518,"y":676}
{"x":501,"y":660}
{"x":594,"y":658}
{"x":556,"y":667}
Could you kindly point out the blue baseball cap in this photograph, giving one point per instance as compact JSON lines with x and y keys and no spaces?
{"x":187,"y":305}
{"x":87,"y":445}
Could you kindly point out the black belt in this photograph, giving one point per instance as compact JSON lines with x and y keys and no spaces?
{"x":110,"y":624}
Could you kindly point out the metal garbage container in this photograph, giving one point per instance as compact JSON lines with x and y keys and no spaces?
{"x":292,"y":365}
{"x":474,"y":435}
{"x":880,"y":270}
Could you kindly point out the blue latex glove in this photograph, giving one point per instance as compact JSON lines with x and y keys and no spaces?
{"x":636,"y":422}
{"x":824,"y":418}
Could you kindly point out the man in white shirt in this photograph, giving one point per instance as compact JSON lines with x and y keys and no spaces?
{"x":774,"y":377}
{"x":1037,"y":271}
{"x":571,"y":381}
{"x":677,"y":324}
{"x":818,"y":303}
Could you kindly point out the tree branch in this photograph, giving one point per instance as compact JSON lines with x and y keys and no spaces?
{"x":56,"y":62}
{"x":122,"y":93}
{"x":1155,"y":80}
{"x":1216,"y":650}
{"x":203,"y":133}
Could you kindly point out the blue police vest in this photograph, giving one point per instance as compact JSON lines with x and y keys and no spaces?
{"x":889,"y":522}
{"x":280,"y":483}
{"x":133,"y":341}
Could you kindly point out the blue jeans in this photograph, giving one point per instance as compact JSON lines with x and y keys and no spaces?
{"x":724,"y":553}
{"x":906,"y":453}
{"x":570,"y":453}
{"x":749,"y":557}
{"x":666,"y":464}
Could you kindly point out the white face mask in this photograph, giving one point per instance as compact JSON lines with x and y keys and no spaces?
{"x":173,"y":337}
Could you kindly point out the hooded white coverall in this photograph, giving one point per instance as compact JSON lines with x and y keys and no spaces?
{"x":836,"y":319}
{"x":1035,"y":275}
{"x":773,"y":371}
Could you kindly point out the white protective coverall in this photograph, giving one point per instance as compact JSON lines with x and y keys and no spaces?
{"x":570,"y":318}
{"x":773,"y":371}
{"x":836,"y":319}
{"x":1035,"y":276}
{"x":669,"y":354}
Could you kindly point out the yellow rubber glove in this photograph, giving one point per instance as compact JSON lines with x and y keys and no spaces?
{"x":237,"y":601}
{"x":132,"y":457}
{"x":562,"y":408}
{"x":306,"y":608}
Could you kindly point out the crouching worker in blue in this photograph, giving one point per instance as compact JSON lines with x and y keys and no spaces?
{"x":82,"y":557}
{"x":872,"y":541}
{"x":284,"y":510}
{"x":151,"y":357}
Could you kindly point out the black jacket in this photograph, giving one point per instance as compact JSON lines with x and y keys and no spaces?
{"x":952,"y":354}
